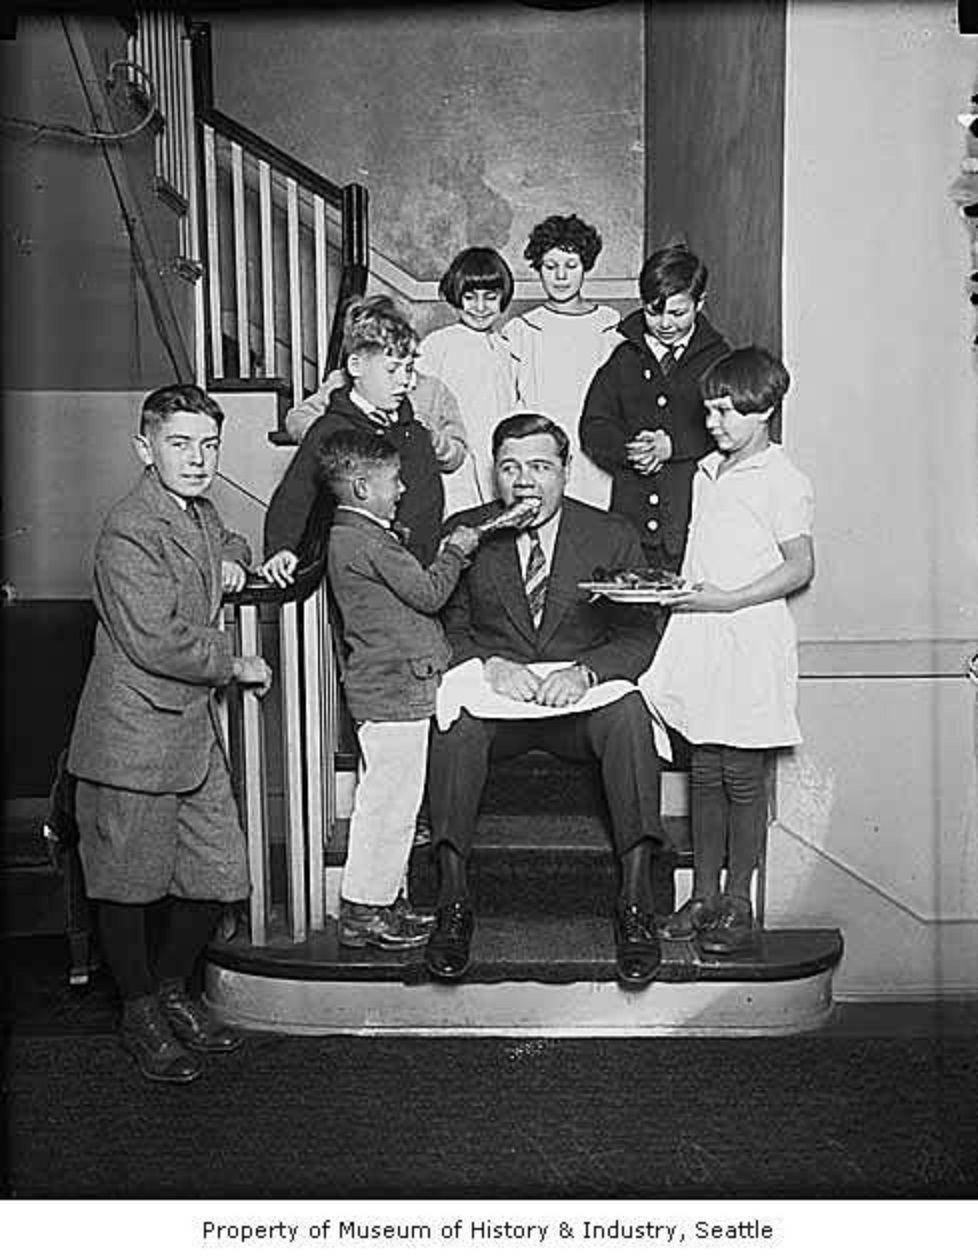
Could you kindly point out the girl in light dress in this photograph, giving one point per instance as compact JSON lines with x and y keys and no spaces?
{"x":474,"y":362}
{"x":726,"y":672}
{"x":559,"y":345}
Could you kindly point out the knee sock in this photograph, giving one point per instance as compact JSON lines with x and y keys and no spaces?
{"x":745,"y":777}
{"x":185,"y":935}
{"x":708,"y":816}
{"x":122,"y":936}
{"x":453,"y":884}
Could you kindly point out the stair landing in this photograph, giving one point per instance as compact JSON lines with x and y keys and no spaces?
{"x":531,"y":975}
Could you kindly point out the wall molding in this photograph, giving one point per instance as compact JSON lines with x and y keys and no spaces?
{"x":600,"y":289}
{"x":885,"y":658}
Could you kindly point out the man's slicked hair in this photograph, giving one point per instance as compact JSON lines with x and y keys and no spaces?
{"x":528,"y":424}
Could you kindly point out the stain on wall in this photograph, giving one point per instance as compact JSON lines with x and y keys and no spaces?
{"x":468,"y":124}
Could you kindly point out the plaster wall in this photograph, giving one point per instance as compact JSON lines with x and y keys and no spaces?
{"x":75,"y":312}
{"x":876,"y":826}
{"x":468,"y":123}
{"x":68,"y":457}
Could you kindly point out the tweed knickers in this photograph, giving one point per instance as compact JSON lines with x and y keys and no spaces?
{"x":137,"y":847}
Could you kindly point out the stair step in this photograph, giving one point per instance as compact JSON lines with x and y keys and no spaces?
{"x":515,"y":868}
{"x":542,"y":974}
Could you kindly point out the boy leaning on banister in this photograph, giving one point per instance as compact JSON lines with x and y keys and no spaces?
{"x":156,"y":816}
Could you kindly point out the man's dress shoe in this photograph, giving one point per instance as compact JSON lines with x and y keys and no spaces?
{"x":637,"y":950}
{"x":447,"y":953}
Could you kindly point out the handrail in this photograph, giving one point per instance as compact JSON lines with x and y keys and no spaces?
{"x":267,"y":152}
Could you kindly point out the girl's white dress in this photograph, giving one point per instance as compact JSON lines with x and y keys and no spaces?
{"x":478,"y":368}
{"x":732,"y":678}
{"x":556,"y":357}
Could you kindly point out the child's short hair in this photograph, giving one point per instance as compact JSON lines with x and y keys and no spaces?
{"x":563,"y":231}
{"x":674,"y":269}
{"x":527,"y":424}
{"x":752,"y":378}
{"x":162,"y":403}
{"x":353,"y":453}
{"x":478,"y":267}
{"x":374,"y":324}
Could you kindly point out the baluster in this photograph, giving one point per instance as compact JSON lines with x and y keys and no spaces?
{"x":240,"y":260}
{"x":315,"y":760}
{"x":255,"y":782}
{"x":295,"y":289}
{"x":322,"y":288}
{"x":193,"y":244}
{"x":295,"y":840}
{"x":213,"y":212}
{"x":267,"y":265}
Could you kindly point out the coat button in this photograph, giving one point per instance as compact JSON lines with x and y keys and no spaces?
{"x":661,"y":400}
{"x":652,"y":525}
{"x":653,"y":499}
{"x":648,"y":374}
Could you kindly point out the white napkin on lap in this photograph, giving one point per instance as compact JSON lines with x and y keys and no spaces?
{"x":465,"y":687}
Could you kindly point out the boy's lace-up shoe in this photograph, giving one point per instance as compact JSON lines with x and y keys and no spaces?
{"x":697,"y":915}
{"x":193,"y":1023}
{"x":411,"y":916}
{"x":733,"y":930}
{"x":149,"y":1038}
{"x":362,"y":926}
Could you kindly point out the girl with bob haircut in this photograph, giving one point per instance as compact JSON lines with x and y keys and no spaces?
{"x":559,"y":345}
{"x":472,"y":360}
{"x":726,"y":672}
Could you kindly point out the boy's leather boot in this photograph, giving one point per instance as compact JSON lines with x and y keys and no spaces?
{"x":148,"y":1037}
{"x":193,"y":1023}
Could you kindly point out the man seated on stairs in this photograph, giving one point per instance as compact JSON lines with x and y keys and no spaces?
{"x":528,"y":639}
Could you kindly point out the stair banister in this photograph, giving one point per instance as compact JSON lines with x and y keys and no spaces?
{"x":306,"y":678}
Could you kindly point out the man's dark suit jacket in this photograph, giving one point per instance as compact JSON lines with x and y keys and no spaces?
{"x":488,"y":614}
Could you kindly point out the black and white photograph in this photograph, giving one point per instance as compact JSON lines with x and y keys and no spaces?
{"x":490,"y":626}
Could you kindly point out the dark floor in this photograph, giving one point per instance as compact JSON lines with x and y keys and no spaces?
{"x":880,"y":1103}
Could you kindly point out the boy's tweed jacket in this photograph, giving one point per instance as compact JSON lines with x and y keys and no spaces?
{"x":145,"y":721}
{"x":396,"y":648}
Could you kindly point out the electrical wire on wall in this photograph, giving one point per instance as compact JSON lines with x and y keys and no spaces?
{"x":97,"y":137}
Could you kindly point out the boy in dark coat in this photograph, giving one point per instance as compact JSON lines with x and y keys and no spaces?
{"x":396,"y":654}
{"x":643,"y":419}
{"x":155,"y":812}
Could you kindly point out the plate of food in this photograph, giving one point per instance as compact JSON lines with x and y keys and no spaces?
{"x":636,"y":586}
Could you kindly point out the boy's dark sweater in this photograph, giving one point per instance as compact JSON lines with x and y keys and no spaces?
{"x":420,"y":509}
{"x":629,"y":393}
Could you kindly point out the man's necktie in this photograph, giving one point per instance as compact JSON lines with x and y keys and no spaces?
{"x":535,"y":578}
{"x":668,"y":362}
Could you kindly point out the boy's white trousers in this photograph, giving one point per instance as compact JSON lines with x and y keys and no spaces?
{"x":393,"y":760}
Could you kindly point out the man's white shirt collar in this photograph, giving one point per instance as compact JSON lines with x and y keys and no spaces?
{"x":548,"y":541}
